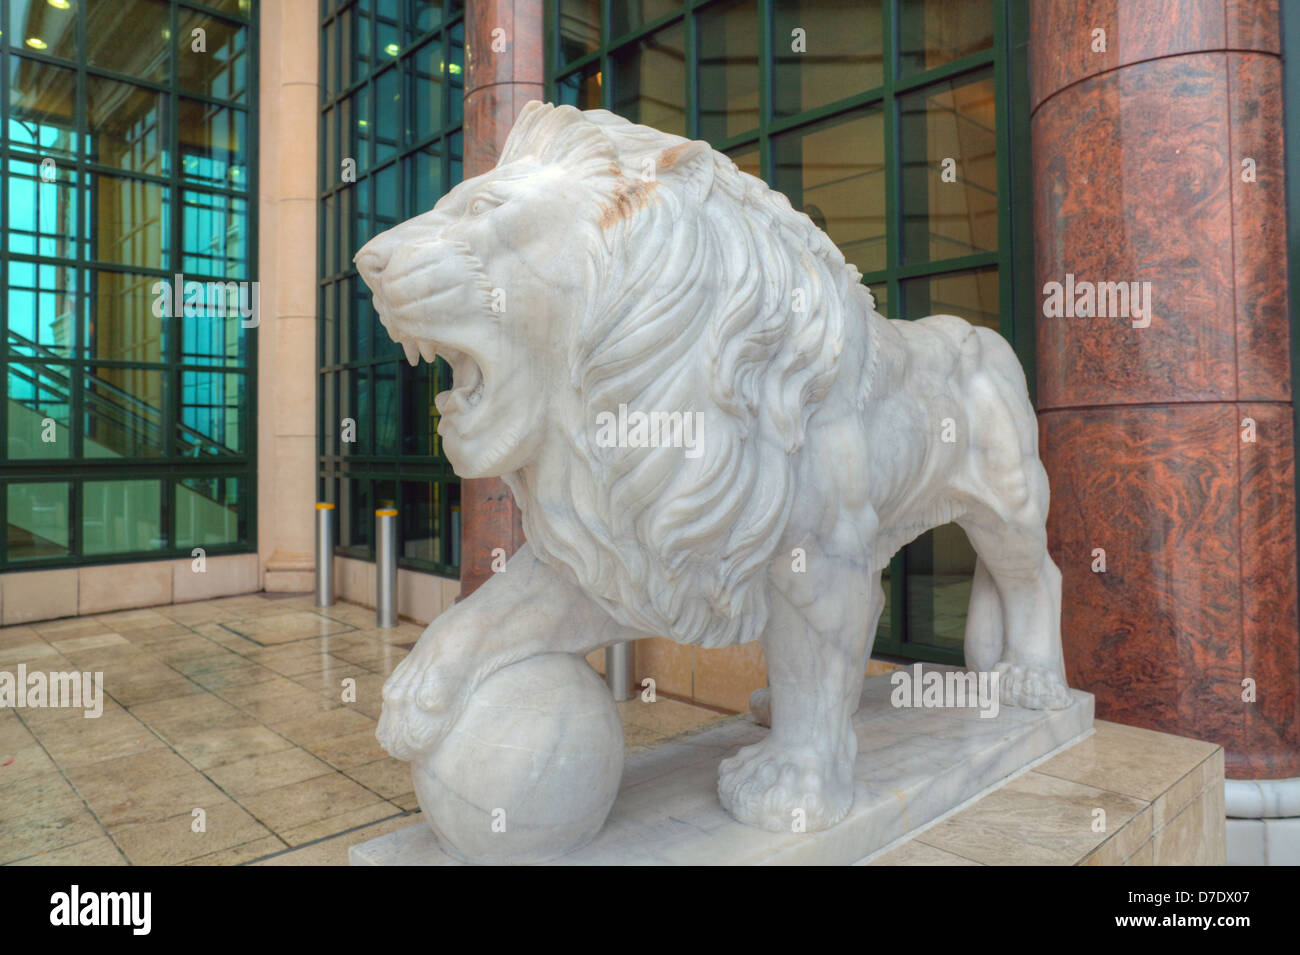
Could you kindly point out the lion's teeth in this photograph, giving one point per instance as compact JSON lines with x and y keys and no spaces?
{"x":428,"y":350}
{"x":412,"y":353}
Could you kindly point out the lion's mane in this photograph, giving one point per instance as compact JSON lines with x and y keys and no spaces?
{"x":691,"y":307}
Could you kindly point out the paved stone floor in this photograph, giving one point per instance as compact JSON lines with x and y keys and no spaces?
{"x":231,"y":706}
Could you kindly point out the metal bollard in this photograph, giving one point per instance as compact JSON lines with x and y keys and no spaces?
{"x":620,"y":670}
{"x":324,"y":555}
{"x":386,"y":567}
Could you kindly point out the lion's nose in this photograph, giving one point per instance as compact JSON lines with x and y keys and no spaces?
{"x":371,"y":261}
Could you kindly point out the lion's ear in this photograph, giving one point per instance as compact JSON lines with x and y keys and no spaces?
{"x":690,"y":165}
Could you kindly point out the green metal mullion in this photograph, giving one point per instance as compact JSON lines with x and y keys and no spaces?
{"x":172,"y":324}
{"x":786,"y":123}
{"x":766,"y":68}
{"x":960,"y":263}
{"x":4,"y":274}
{"x":1019,"y":195}
{"x":1006,"y":298}
{"x":691,"y":28}
{"x":81,"y":192}
{"x":954,"y":68}
{"x":645,"y":29}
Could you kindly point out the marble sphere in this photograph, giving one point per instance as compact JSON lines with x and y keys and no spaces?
{"x":530,"y":769}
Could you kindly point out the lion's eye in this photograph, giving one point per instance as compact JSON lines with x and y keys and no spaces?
{"x":481,"y":204}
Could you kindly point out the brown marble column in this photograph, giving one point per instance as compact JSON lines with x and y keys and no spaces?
{"x":1170,"y":447}
{"x":503,"y":71}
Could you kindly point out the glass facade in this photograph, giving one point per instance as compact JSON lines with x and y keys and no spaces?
{"x":391,"y":114}
{"x":127,"y":143}
{"x":888,"y":122}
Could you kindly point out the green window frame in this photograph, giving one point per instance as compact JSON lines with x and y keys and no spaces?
{"x":402,"y":60}
{"x":588,"y":66}
{"x":150,"y":423}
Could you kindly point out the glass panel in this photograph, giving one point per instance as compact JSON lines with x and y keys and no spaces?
{"x":955,"y":121}
{"x":456,"y":74}
{"x":361,"y":46}
{"x":212,"y":330}
{"x":422,"y":16}
{"x":211,"y":414}
{"x":630,"y":14}
{"x":43,"y":26}
{"x":356,"y":138}
{"x":43,"y":307}
{"x":424,"y":92}
{"x":824,"y":50}
{"x":420,"y":418}
{"x":418,"y":514}
{"x":129,"y":36}
{"x":121,"y":516}
{"x":581,"y":89}
{"x":214,"y":235}
{"x":970,"y":295}
{"x":124,"y":126}
{"x":835,"y":172}
{"x":123,"y":413}
{"x":129,"y":222}
{"x":649,"y":81}
{"x":728,"y":58}
{"x":940,"y":564}
{"x":356,"y":515}
{"x":424,"y":179}
{"x":579,"y":28}
{"x":126,"y":316}
{"x":388,"y":112}
{"x":360,"y":395}
{"x":43,"y":217}
{"x":39,"y":411}
{"x":746,"y":159}
{"x":215,"y":62}
{"x":42,"y":107}
{"x":388,"y":199}
{"x":388,"y":27}
{"x":208,"y":510}
{"x":212,"y":144}
{"x":384,"y":378}
{"x":329,"y":413}
{"x":934,"y":32}
{"x":37,"y":516}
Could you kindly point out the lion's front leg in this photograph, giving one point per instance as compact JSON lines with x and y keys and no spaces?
{"x":526,"y":610}
{"x":800,"y":777}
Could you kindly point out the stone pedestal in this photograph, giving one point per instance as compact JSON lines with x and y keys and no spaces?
{"x":913,"y":766}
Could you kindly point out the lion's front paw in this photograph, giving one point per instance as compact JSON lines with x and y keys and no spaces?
{"x":424,"y":697}
{"x":782,"y":789}
{"x":1034,"y":688}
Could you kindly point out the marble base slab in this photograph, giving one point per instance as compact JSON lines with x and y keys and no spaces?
{"x":913,"y":766}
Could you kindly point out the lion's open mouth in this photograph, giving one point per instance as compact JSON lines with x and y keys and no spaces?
{"x":467,"y":376}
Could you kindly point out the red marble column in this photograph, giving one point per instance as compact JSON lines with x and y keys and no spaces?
{"x":1137,"y":157}
{"x":503,"y":71}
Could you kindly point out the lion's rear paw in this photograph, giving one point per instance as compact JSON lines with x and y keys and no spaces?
{"x":763,"y":785}
{"x":1034,"y":688}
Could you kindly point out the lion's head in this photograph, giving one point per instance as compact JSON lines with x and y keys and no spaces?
{"x":600,"y":264}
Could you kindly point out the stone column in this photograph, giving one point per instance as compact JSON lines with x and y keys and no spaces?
{"x":289,"y":104}
{"x":1158,"y":157}
{"x":503,"y":71}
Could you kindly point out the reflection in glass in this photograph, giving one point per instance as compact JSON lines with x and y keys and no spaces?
{"x":212,"y":331}
{"x":837,"y":53}
{"x":124,"y":126}
{"x":212,"y":144}
{"x":384,"y":382}
{"x":422,"y":16}
{"x":122,"y":410}
{"x":211,"y":414}
{"x":971,"y":295}
{"x":728,"y":63}
{"x":37,"y":518}
{"x":42,"y":309}
{"x":940,"y":564}
{"x":120,"y":517}
{"x":630,"y":14}
{"x":424,"y":178}
{"x":424,"y":92}
{"x":42,"y":108}
{"x":42,"y":26}
{"x":130,"y":36}
{"x":579,"y":28}
{"x":208,"y":510}
{"x":835,"y":172}
{"x":950,"y":120}
{"x":214,"y":235}
{"x":388,"y":110}
{"x":43,"y":216}
{"x":38,"y":412}
{"x":123,"y":324}
{"x":581,"y":89}
{"x":221,"y":71}
{"x":934,"y":32}
{"x":129,"y":221}
{"x":649,"y":84}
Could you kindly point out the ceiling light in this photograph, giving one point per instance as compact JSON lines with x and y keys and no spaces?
{"x":59,"y":4}
{"x":36,"y":43}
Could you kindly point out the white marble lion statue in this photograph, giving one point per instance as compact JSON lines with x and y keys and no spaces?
{"x":607,"y":268}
